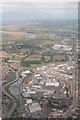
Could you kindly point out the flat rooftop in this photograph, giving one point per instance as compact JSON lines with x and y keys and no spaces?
{"x":34,"y":107}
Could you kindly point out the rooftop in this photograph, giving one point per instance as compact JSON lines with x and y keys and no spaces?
{"x":56,"y":84}
{"x":26,"y":72}
{"x":34,"y":107}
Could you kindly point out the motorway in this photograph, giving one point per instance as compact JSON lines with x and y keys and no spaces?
{"x":11,"y":97}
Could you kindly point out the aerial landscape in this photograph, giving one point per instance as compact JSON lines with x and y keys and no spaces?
{"x":39,"y":59}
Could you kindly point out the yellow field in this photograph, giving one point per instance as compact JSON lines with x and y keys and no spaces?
{"x":19,"y":55}
{"x":34,"y":57}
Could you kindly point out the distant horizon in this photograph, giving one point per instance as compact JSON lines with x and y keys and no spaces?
{"x":28,"y":13}
{"x":43,"y":22}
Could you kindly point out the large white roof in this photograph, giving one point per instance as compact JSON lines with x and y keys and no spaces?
{"x":56,"y":84}
{"x":34,"y":107}
{"x":26,"y":72}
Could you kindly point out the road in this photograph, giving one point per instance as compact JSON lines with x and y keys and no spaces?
{"x":47,"y":49}
{"x":11,"y":97}
{"x":69,"y":110}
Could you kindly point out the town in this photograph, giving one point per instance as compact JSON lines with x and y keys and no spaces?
{"x":39,"y":74}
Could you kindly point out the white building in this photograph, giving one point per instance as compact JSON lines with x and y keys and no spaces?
{"x":34,"y":107}
{"x":55,"y":84}
{"x":25,"y":73}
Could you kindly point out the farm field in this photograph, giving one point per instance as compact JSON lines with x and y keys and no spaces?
{"x":18,"y":55}
{"x":3,"y":54}
{"x":14,"y":35}
{"x":34,"y":44}
{"x":34,"y":57}
{"x":59,"y":58}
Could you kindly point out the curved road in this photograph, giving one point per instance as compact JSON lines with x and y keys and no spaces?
{"x":11,"y":97}
{"x":47,"y":49}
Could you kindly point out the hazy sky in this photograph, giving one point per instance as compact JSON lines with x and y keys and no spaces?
{"x":39,"y":0}
{"x":20,"y":12}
